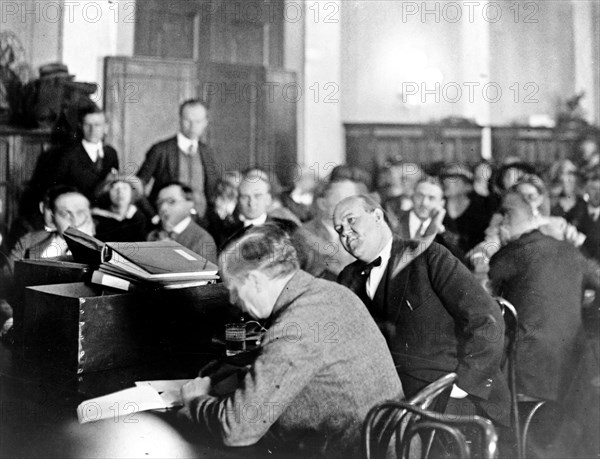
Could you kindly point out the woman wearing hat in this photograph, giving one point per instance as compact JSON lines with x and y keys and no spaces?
{"x":467,"y":215}
{"x":119,"y":220}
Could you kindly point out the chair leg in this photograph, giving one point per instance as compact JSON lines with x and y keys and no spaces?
{"x":527,"y":424}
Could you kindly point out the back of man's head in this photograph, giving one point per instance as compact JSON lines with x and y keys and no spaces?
{"x":266,"y":248}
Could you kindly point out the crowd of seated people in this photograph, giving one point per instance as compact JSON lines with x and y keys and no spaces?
{"x":397,"y":240}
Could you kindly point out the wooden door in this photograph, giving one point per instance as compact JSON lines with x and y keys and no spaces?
{"x":142,"y":97}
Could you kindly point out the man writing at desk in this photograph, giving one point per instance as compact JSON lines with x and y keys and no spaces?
{"x":309,"y":387}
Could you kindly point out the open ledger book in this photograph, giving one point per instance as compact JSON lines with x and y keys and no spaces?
{"x":145,"y":396}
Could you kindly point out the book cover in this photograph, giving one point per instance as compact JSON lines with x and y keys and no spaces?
{"x":157,"y":260}
{"x":85,"y":248}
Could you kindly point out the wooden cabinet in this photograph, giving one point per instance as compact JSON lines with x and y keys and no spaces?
{"x":19,"y":150}
{"x":225,"y":31}
{"x":252,"y":110}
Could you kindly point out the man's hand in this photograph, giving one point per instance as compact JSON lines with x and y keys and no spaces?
{"x":193,"y":389}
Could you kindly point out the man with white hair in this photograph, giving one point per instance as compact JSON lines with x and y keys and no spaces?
{"x":321,"y":366}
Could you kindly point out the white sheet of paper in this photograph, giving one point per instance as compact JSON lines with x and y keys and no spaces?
{"x":121,"y":403}
{"x":164,"y":385}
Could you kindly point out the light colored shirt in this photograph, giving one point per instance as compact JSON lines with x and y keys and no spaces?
{"x":182,"y":225}
{"x":377,"y":272}
{"x":56,"y":248}
{"x":417,"y":226}
{"x":188,"y":146}
{"x":93,"y":149}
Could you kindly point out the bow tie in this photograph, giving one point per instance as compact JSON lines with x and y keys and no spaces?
{"x":369,"y":266}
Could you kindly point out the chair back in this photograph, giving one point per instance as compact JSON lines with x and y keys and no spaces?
{"x":413,"y":420}
{"x":426,"y":397}
{"x":509,"y":362}
{"x":384,"y":420}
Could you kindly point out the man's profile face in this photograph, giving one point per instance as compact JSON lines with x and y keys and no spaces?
{"x":360,"y":231}
{"x":94,"y":127}
{"x":427,"y":198}
{"x":516,"y":215}
{"x":254,"y":198}
{"x":246,"y":294}
{"x":72,"y":209}
{"x":193,"y":121}
{"x":172,"y":206}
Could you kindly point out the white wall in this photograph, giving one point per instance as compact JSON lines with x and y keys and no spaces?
{"x":94,"y":30}
{"x":535,"y":52}
{"x":38,"y":25}
{"x":324,"y":136}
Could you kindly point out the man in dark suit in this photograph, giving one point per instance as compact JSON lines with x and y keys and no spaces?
{"x":183,"y":158}
{"x":427,"y":198}
{"x":174,"y":203}
{"x":309,"y":389}
{"x":436,"y":317}
{"x":86,"y":164}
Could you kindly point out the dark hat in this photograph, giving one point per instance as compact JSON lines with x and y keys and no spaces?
{"x":457,"y":170}
{"x":56,"y":69}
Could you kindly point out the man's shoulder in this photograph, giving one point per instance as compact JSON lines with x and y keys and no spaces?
{"x":109,"y":150}
{"x":72,"y":150}
{"x":321,"y":295}
{"x":164,"y":145}
{"x":349,"y":272}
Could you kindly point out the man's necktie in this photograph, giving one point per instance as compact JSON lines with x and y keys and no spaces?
{"x":364,"y":277}
{"x":98,"y":162}
{"x":421,"y":230}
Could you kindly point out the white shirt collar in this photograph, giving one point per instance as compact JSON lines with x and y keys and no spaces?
{"x":415,"y":223}
{"x":93,"y":149}
{"x":255,"y":222}
{"x":378,"y":271}
{"x":182,"y":225}
{"x":185,"y":144}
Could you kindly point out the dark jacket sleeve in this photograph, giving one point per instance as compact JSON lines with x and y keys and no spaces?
{"x":502,"y":270}
{"x":478,"y":317}
{"x":150,"y":164}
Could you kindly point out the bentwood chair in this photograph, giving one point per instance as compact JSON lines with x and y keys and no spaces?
{"x":523,"y":407}
{"x":411,"y":420}
{"x":381,"y":426}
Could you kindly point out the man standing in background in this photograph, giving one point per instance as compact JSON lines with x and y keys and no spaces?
{"x":183,"y":158}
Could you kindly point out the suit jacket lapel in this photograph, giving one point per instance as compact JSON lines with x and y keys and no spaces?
{"x":404,"y":228}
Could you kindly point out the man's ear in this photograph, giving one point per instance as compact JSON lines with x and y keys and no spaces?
{"x":379,"y":217}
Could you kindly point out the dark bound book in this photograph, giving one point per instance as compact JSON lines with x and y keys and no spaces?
{"x":158,"y":261}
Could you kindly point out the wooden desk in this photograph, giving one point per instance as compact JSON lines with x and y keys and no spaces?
{"x":38,"y":416}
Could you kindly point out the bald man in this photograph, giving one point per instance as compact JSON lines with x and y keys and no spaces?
{"x":435,"y":316}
